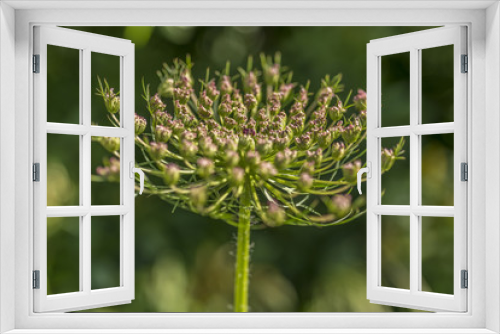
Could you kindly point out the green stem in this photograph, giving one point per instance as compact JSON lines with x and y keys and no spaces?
{"x":242,"y":274}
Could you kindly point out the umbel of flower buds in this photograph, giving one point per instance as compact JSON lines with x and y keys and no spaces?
{"x":140,"y":124}
{"x":284,"y":158}
{"x":275,"y":216}
{"x":253,"y":159}
{"x":350,"y":171}
{"x":388,"y":159}
{"x":340,"y":205}
{"x":162,"y":118}
{"x":162,"y":133}
{"x":226,"y":86}
{"x":112,"y":101}
{"x":337,"y":112}
{"x":236,"y":176}
{"x":305,"y":182}
{"x":188,"y":149}
{"x":157,"y":151}
{"x":156,"y":103}
{"x":304,"y":142}
{"x":246,"y":143}
{"x":264,"y":146}
{"x":256,"y":138}
{"x":266,"y":170}
{"x":338,"y":150}
{"x":205,"y":167}
{"x":111,"y":144}
{"x":325,"y":139}
{"x":172,"y":174}
{"x":231,"y":158}
{"x":198,"y":197}
{"x":110,"y":170}
{"x":360,"y":100}
{"x":166,"y":88}
{"x":351,"y":133}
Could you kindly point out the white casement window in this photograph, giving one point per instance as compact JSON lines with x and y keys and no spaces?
{"x":84,"y":212}
{"x":474,"y":211}
{"x":417,"y":127}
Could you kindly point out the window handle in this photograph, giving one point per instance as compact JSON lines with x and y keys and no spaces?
{"x":139,"y":171}
{"x":368,"y":171}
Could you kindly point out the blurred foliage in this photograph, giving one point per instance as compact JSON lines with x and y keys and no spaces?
{"x":184,"y":262}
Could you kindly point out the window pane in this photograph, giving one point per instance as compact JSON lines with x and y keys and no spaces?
{"x":395,"y":94}
{"x":396,"y":251}
{"x":63,"y":255}
{"x":437,"y":84}
{"x":105,"y":189}
{"x":395,"y":174}
{"x":63,"y":170}
{"x":437,"y":169}
{"x":105,"y":67}
{"x":63,"y":85}
{"x":105,"y":252}
{"x":437,"y":254}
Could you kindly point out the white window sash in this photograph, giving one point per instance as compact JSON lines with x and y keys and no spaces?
{"x":86,"y":43}
{"x":415,"y":297}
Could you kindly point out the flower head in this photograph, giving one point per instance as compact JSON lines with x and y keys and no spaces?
{"x":258,"y":134}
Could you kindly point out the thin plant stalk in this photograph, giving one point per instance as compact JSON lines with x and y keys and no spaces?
{"x":242,"y":270}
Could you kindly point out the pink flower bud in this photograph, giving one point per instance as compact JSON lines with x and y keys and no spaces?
{"x":111,"y":144}
{"x":305,"y":182}
{"x":162,"y":133}
{"x":198,"y":197}
{"x":252,"y":159}
{"x":156,"y":103}
{"x":157,"y":151}
{"x":172,"y":174}
{"x":188,"y":149}
{"x":236,"y":176}
{"x":205,"y":167}
{"x":140,"y":124}
{"x":275,"y":216}
{"x":266,"y":170}
{"x":350,"y":171}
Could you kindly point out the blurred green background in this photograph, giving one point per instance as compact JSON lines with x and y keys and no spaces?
{"x":184,"y":262}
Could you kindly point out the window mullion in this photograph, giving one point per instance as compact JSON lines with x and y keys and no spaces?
{"x":85,"y":164}
{"x":414,"y":171}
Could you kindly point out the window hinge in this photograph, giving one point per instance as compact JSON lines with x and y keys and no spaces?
{"x":465,"y":64}
{"x":36,"y":279}
{"x":36,"y":172}
{"x":464,"y":172}
{"x":465,"y":279}
{"x":36,"y":63}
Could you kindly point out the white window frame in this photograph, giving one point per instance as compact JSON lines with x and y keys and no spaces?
{"x":16,"y":21}
{"x":413,"y":44}
{"x":86,"y":44}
